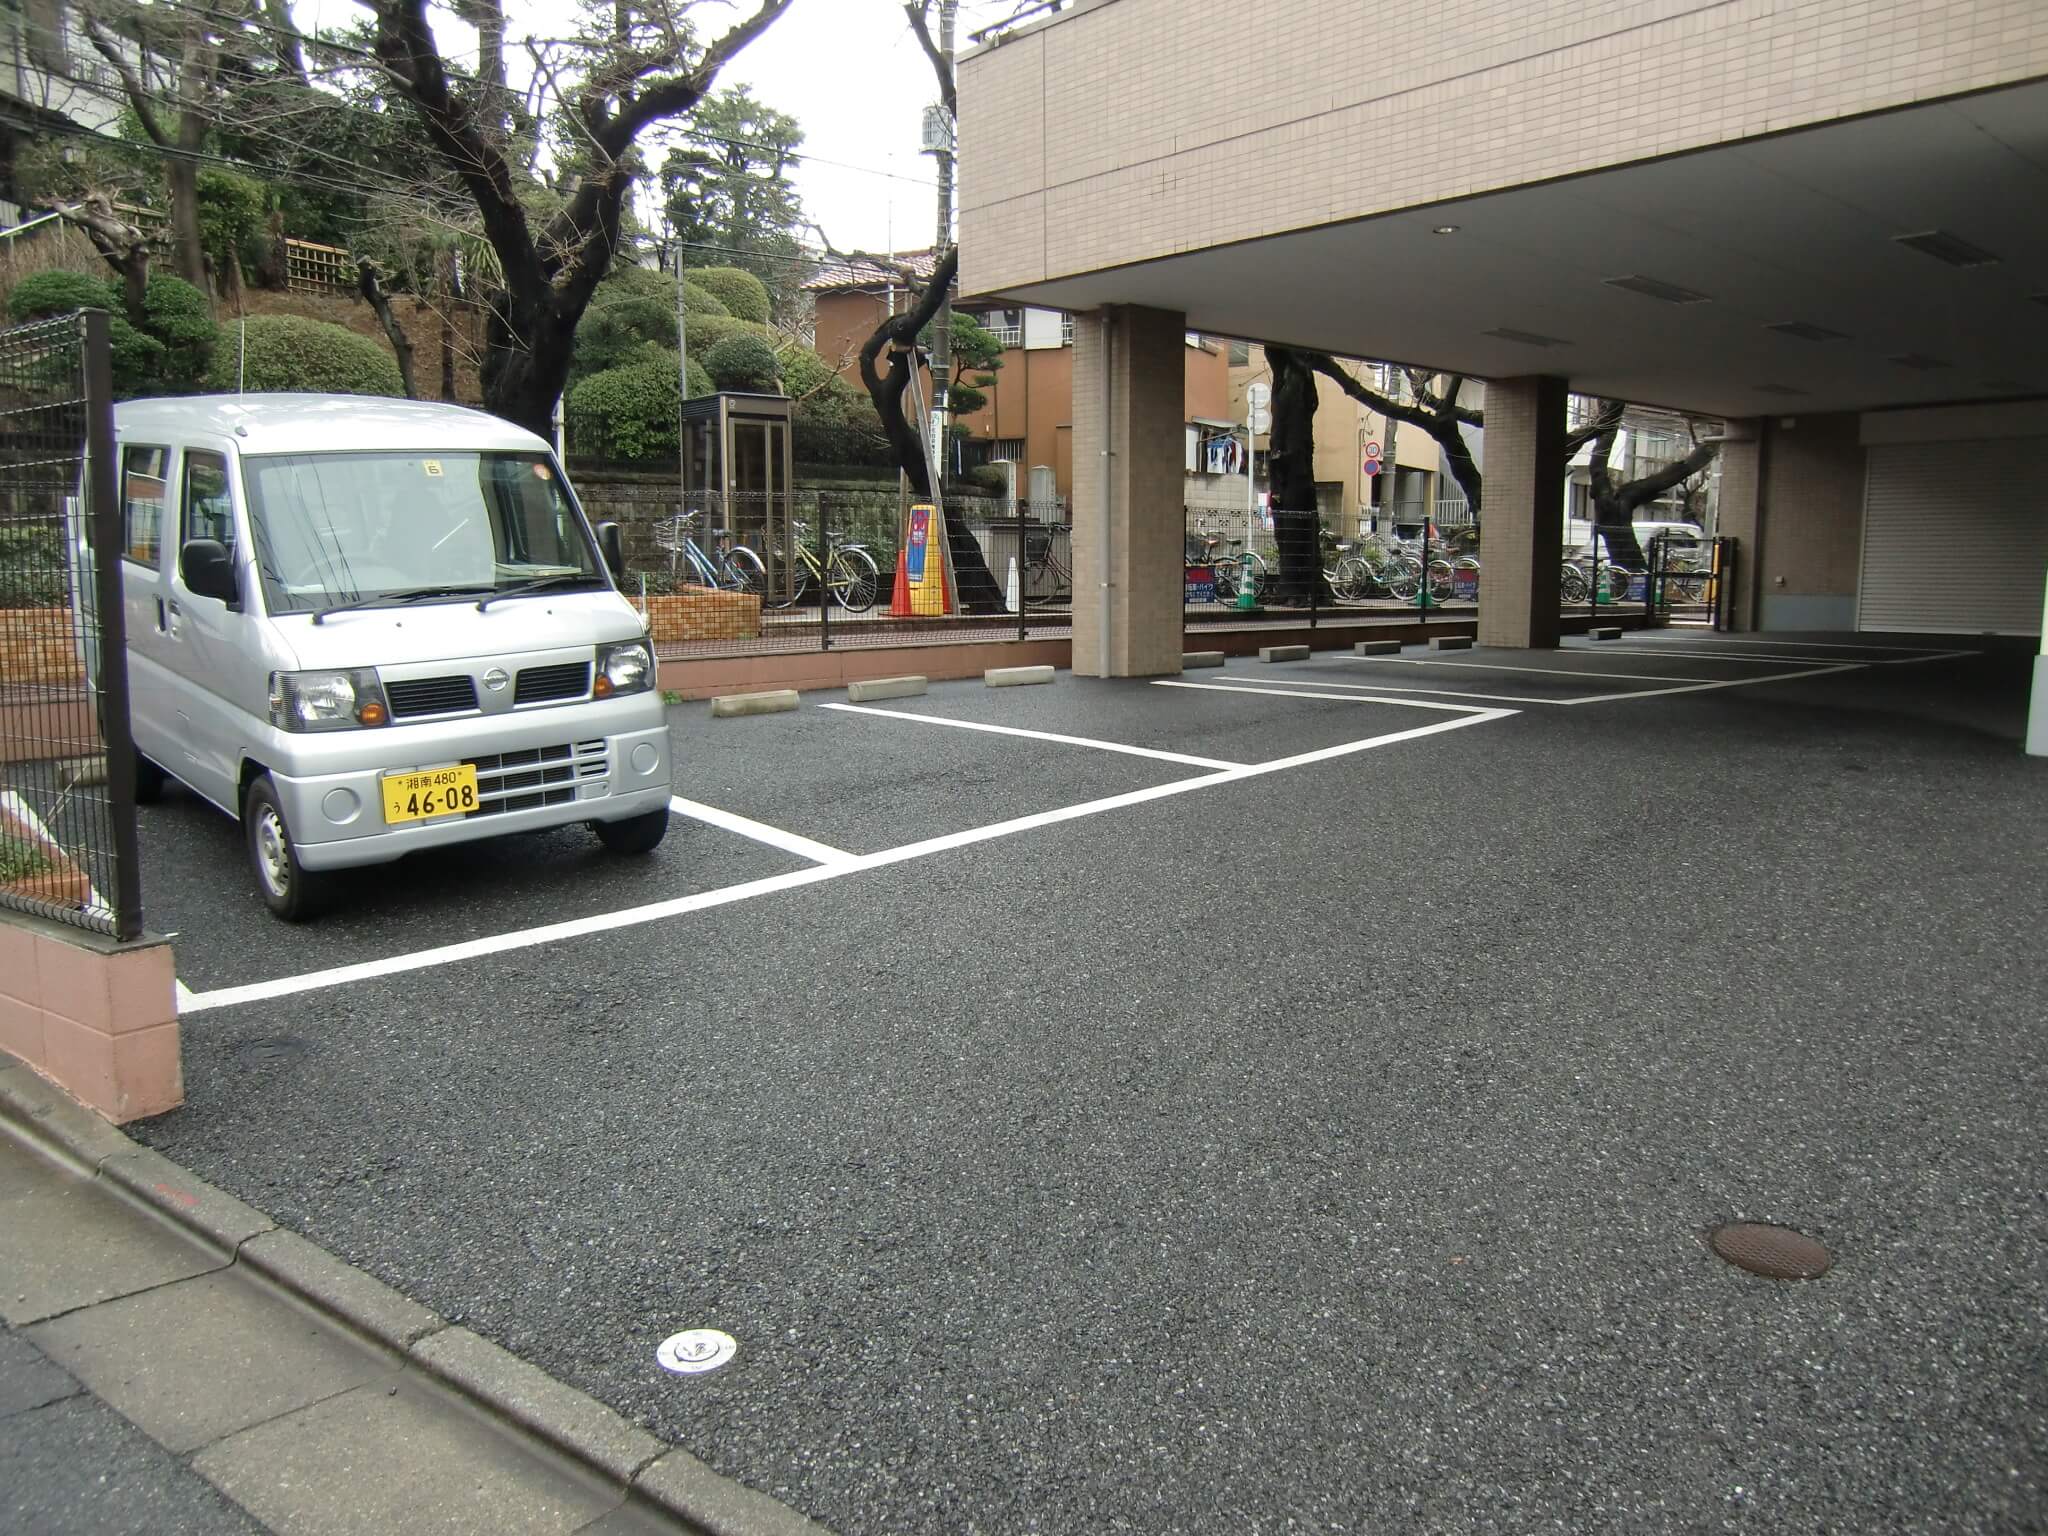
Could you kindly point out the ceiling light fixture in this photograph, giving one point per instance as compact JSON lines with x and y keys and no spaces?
{"x":1920,"y":361}
{"x":1657,"y":288}
{"x":1943,"y":246}
{"x":1526,"y":338}
{"x":1445,"y":229}
{"x":1806,"y":330}
{"x":1778,"y":389}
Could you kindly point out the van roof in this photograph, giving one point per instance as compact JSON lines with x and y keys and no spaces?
{"x":325,"y":423}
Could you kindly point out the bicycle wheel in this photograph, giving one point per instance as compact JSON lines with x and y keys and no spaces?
{"x":1226,"y":580}
{"x":1571,"y":585}
{"x":748,"y":574}
{"x":1354,"y":579}
{"x":1686,"y":587}
{"x":1402,"y":578}
{"x":854,"y":579}
{"x":1440,"y":581}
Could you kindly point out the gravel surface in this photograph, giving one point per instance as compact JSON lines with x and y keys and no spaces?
{"x":1330,"y":1152}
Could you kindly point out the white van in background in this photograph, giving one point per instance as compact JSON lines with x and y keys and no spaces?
{"x":1685,"y":538}
{"x":366,"y":627}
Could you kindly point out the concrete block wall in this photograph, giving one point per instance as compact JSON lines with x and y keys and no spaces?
{"x":99,"y":1019}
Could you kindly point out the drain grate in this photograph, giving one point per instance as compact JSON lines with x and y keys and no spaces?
{"x":1778,"y":1253}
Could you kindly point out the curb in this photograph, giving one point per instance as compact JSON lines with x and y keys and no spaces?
{"x":645,"y":1471}
{"x":730,"y":706}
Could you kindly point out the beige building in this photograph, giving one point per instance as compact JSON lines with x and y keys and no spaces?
{"x":1824,"y":222}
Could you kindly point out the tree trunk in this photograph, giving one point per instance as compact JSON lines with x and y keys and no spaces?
{"x":1458,"y":459}
{"x":448,"y":287}
{"x":1291,"y":478}
{"x":372,"y":289}
{"x":188,"y":249}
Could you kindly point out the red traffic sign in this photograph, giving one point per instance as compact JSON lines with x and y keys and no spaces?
{"x":1372,"y":450}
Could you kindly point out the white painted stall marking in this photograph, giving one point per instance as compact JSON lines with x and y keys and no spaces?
{"x":1051,"y":736}
{"x":759,"y":831}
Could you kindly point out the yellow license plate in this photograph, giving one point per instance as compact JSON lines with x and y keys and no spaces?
{"x":430,"y":792}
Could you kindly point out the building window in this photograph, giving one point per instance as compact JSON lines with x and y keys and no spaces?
{"x":1007,"y":325}
{"x":1066,"y":329}
{"x":1240,"y":354}
{"x":1011,"y":448}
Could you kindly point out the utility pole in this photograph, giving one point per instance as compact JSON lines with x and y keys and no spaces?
{"x":941,"y":145}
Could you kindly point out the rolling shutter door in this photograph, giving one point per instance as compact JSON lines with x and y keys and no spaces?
{"x":1955,"y":538}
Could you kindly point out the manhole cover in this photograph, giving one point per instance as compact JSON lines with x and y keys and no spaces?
{"x":695,"y":1351}
{"x":1776,"y":1252}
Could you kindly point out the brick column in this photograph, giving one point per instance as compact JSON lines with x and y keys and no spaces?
{"x":1140,"y":425}
{"x":1740,"y":514}
{"x":1524,"y":514}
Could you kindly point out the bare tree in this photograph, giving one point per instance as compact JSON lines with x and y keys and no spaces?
{"x":647,"y":69}
{"x":1615,"y":503}
{"x":1291,"y":478}
{"x":1434,"y":408}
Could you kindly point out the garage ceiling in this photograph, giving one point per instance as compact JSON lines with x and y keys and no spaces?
{"x":1800,"y":229}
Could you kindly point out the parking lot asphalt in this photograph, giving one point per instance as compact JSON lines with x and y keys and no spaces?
{"x":1328,"y":1150}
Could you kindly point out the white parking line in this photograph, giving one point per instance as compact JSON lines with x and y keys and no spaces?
{"x":1488,"y":666}
{"x":445,"y":954}
{"x":1052,"y":736}
{"x":759,"y":831}
{"x":1726,"y":682}
{"x":1379,"y":687}
{"x":1341,"y":698}
{"x":1673,"y":653}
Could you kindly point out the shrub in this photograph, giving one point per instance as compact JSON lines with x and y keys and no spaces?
{"x":628,"y":414}
{"x":137,"y":360}
{"x":175,"y":313}
{"x":744,"y":295}
{"x":804,"y":372}
{"x":838,"y":425}
{"x":707,"y":331}
{"x":43,"y":294}
{"x":743,"y":363}
{"x":287,"y":353}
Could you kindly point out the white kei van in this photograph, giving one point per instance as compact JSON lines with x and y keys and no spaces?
{"x":367,"y":627}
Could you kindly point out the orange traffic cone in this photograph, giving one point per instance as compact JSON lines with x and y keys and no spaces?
{"x":899,"y":599}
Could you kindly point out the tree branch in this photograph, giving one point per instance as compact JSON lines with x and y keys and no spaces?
{"x":1575,"y":440}
{"x":1357,"y":389}
{"x":371,"y":286}
{"x":131,"y":84}
{"x":665,"y":98}
{"x":920,"y":23}
{"x":1650,"y":487}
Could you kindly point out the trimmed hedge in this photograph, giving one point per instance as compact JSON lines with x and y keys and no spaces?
{"x":628,"y":414}
{"x":168,"y":354}
{"x":744,"y":295}
{"x":744,"y":363}
{"x":287,"y":353}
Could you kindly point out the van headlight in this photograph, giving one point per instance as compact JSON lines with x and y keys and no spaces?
{"x":327,"y":701}
{"x":623,"y":668}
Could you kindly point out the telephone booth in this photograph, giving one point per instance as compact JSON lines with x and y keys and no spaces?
{"x":738,"y":474}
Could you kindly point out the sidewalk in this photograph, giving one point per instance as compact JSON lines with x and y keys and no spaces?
{"x":209,"y":1371}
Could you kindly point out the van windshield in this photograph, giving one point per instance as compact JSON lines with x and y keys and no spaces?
{"x":357,"y":528}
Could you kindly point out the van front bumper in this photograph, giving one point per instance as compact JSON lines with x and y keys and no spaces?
{"x":551,"y":772}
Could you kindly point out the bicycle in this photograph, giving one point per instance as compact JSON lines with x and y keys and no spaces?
{"x":734,"y":568}
{"x":1232,"y":571}
{"x":1609,"y":583}
{"x":1041,"y":569}
{"x":855,"y":580}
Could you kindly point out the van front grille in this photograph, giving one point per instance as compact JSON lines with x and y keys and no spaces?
{"x":537,"y":776}
{"x":414,"y":696}
{"x":541,"y":685}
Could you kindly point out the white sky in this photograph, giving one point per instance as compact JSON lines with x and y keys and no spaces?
{"x":849,"y":71}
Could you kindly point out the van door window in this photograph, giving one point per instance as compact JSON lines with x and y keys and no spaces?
{"x":145,"y":488}
{"x":209,"y":512}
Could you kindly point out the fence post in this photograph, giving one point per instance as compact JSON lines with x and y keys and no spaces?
{"x":824,"y":570}
{"x":1023,"y":586}
{"x":1315,"y":576}
{"x":110,"y":618}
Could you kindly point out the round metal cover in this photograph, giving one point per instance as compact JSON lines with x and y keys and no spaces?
{"x":1778,"y":1253}
{"x":695,"y":1351}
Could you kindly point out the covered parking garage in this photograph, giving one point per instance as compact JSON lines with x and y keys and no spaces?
{"x":1826,"y":225}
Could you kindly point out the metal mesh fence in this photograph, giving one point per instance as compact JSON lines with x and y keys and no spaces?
{"x":751,"y":574}
{"x":67,"y":808}
{"x":1244,"y":566}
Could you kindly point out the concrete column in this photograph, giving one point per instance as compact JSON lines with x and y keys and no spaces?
{"x":1524,"y":513}
{"x":1129,"y":419}
{"x":1740,"y":515}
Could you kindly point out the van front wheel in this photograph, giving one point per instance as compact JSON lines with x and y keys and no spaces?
{"x":636,"y":834}
{"x":292,"y":892}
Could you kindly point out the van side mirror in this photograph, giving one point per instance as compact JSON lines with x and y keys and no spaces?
{"x":209,"y":570}
{"x":611,"y":543}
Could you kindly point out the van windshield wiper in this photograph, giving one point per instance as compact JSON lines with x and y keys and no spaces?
{"x":538,"y":584}
{"x":401,"y":595}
